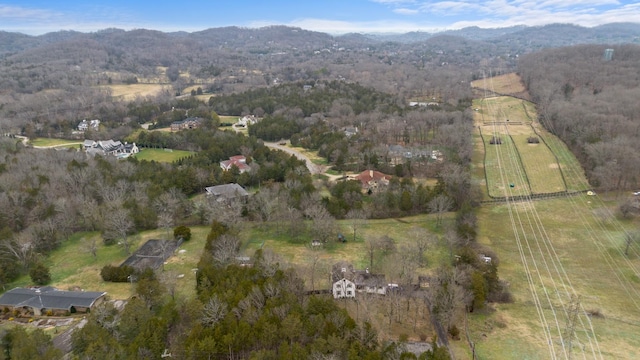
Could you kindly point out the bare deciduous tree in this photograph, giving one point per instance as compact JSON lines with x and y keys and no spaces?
{"x":213,"y":311}
{"x":117,"y":225}
{"x":447,"y":296}
{"x":357,"y":219}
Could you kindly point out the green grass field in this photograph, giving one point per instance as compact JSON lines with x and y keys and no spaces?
{"x":513,"y":330}
{"x":503,"y":108}
{"x":541,"y":167}
{"x":551,"y":248}
{"x":54,"y":142}
{"x":162,"y":155}
{"x":571,"y":168}
{"x":73,"y":266}
{"x":504,"y":168}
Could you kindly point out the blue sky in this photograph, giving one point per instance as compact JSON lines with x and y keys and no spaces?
{"x":332,"y":16}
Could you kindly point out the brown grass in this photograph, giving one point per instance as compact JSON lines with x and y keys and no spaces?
{"x":508,"y":84}
{"x":130,"y":92}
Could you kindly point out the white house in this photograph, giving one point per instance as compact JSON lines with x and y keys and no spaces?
{"x":85,"y":125}
{"x":110,"y":147}
{"x":344,"y":288}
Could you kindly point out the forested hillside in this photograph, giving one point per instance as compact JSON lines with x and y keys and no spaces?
{"x":592,"y":104}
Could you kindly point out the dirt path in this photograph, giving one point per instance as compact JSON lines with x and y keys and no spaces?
{"x":313,"y":168}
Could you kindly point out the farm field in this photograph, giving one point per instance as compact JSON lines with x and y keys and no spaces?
{"x":162,"y":155}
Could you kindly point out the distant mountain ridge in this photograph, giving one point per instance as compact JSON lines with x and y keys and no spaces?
{"x":283,"y":37}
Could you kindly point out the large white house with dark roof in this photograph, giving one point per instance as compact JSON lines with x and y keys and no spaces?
{"x":49,"y":300}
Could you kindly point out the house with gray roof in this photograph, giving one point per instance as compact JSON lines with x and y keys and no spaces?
{"x":48,"y":300}
{"x":110,"y":147}
{"x":227,"y":192}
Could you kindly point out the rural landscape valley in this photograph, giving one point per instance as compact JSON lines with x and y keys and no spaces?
{"x":280,"y":193}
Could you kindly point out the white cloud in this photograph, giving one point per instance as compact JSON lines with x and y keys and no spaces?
{"x":18,"y":13}
{"x":405,"y":11}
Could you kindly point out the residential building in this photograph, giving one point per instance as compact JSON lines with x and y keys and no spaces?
{"x":227,"y":192}
{"x":188,"y":123}
{"x":344,"y":288}
{"x":49,"y":301}
{"x":371,"y":180}
{"x":239,"y":161}
{"x":85,"y":125}
{"x":363,"y":281}
{"x":110,"y":147}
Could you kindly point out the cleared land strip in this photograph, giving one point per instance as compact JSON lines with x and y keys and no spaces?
{"x":562,"y":319}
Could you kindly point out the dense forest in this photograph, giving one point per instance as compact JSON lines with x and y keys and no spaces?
{"x":591,"y":104}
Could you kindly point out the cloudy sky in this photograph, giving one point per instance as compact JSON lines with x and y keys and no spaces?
{"x":332,"y":16}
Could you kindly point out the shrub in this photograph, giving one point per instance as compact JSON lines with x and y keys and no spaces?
{"x":39,"y":274}
{"x":182,"y":232}
{"x":117,"y":273}
{"x":454,"y":332}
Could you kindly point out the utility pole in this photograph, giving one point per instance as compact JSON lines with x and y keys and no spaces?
{"x":572,"y":317}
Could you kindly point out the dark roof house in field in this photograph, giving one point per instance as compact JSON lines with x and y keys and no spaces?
{"x":226,"y":192}
{"x":49,"y":300}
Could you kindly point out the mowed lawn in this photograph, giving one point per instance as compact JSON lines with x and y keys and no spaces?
{"x":504,"y":171}
{"x":162,"y":155}
{"x":51,"y":142}
{"x":589,"y":253}
{"x":542,"y":168}
{"x":574,"y":175}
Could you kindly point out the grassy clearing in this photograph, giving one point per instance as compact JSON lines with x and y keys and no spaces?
{"x":162,"y":155}
{"x":574,"y":175}
{"x":229,"y":119}
{"x":541,"y":167}
{"x":130,"y":92}
{"x":300,"y":253}
{"x":72,"y":266}
{"x":503,"y":84}
{"x":513,"y":330}
{"x":54,"y":142}
{"x":504,"y":168}
{"x":502,"y":109}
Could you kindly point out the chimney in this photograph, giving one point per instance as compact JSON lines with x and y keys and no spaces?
{"x":371,"y":174}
